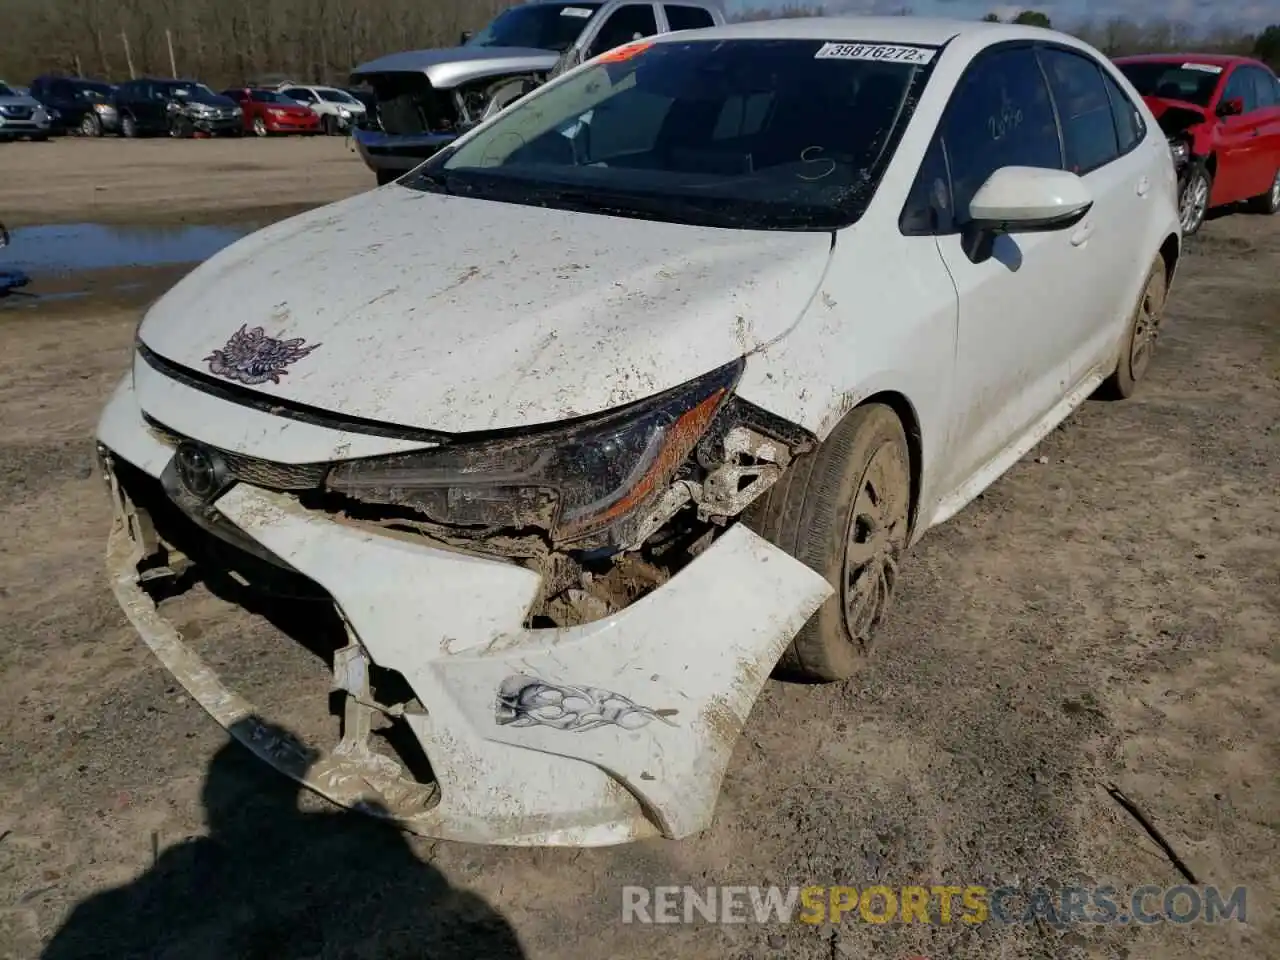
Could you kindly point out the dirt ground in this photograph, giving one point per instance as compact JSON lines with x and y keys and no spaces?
{"x":1107,"y":612}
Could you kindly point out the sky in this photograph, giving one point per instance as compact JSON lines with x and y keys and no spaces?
{"x":1202,"y":14}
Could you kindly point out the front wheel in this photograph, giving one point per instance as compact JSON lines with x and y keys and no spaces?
{"x":259,"y":127}
{"x":1193,"y":200}
{"x":90,"y":126}
{"x":845,"y":511}
{"x":128,"y":127}
{"x":1269,"y":202}
{"x":180,"y":128}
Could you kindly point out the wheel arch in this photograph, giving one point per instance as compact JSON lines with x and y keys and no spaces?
{"x":1170,"y":252}
{"x":910,"y":419}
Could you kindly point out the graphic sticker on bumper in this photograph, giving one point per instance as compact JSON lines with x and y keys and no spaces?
{"x":251,"y":357}
{"x":526,"y":702}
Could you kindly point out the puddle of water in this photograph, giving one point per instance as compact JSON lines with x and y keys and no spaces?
{"x":60,"y":248}
{"x":19,"y":300}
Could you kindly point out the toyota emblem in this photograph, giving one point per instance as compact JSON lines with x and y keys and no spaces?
{"x":201,"y":470}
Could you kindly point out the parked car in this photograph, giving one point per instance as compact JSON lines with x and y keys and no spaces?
{"x":179,"y":108}
{"x":1222,"y":117}
{"x":77,"y":104}
{"x":368,"y":119}
{"x":338,"y":110}
{"x":646,"y":382}
{"x":21,"y":115}
{"x":267,"y":112}
{"x":426,"y":98}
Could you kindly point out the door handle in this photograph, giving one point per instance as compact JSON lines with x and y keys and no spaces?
{"x":1081,"y":236}
{"x":1144,"y":187}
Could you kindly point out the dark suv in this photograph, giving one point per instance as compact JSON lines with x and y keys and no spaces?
{"x":77,"y":104}
{"x":179,"y":108}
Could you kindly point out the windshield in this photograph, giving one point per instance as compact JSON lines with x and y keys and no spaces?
{"x":337,"y":96}
{"x":270,"y":96}
{"x":193,"y":91}
{"x":546,"y":26}
{"x":6,"y":91}
{"x":1188,"y":82}
{"x":762,"y":134}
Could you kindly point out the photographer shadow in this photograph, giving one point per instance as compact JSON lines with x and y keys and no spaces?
{"x":270,"y":882}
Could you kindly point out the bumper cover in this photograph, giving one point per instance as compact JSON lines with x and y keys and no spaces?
{"x":603,"y":733}
{"x":385,"y":151}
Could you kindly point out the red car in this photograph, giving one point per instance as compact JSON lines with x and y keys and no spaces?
{"x":1222,"y":117}
{"x":267,"y":112}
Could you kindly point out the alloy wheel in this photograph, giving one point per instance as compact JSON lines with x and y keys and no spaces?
{"x":1146,"y":330}
{"x":875,"y":542}
{"x":1194,"y":203}
{"x":259,"y":126}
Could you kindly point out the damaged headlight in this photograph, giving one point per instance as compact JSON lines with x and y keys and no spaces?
{"x":585,"y":480}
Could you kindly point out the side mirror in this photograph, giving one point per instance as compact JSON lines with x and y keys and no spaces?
{"x":1232,"y":107}
{"x":1023,"y":200}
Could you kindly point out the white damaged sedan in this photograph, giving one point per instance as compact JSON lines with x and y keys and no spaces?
{"x":641,"y":392}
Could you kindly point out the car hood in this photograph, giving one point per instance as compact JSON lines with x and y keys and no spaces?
{"x":222,"y":103}
{"x":457,"y":314}
{"x":1175,"y":116}
{"x":21,"y":100}
{"x":449,"y":67}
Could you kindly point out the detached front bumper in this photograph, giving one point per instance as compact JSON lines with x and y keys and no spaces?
{"x":598,"y":734}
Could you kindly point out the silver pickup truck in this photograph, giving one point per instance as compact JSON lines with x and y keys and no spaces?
{"x":426,"y":98}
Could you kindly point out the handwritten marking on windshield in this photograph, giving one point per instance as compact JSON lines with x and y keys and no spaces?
{"x":807,"y":159}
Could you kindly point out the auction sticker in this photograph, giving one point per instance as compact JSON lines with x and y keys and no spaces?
{"x":883,"y":52}
{"x":1202,"y":67}
{"x":582,"y":12}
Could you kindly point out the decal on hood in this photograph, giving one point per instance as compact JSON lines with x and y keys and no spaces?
{"x":251,"y":357}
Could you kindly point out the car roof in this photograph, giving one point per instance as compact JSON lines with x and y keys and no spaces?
{"x":1210,"y":59}
{"x":932,"y":31}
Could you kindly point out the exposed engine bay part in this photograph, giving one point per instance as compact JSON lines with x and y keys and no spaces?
{"x":408,"y":104}
{"x":735,"y":460}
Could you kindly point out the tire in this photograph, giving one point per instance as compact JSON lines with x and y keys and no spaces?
{"x":128,"y":127}
{"x":1193,"y":199}
{"x":260,"y":127}
{"x":387,"y":176}
{"x":90,"y":125}
{"x":1268,"y":203}
{"x":180,"y":129}
{"x":1140,"y":339}
{"x":845,"y":511}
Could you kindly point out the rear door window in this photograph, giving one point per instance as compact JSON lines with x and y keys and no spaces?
{"x":687,"y":18}
{"x":625,"y":24}
{"x":1084,"y":110}
{"x":1130,"y":128}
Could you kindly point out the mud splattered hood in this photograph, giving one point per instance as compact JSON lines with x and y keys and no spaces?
{"x":458,"y":315}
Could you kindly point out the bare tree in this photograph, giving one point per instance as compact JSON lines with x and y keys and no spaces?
{"x":231,"y":41}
